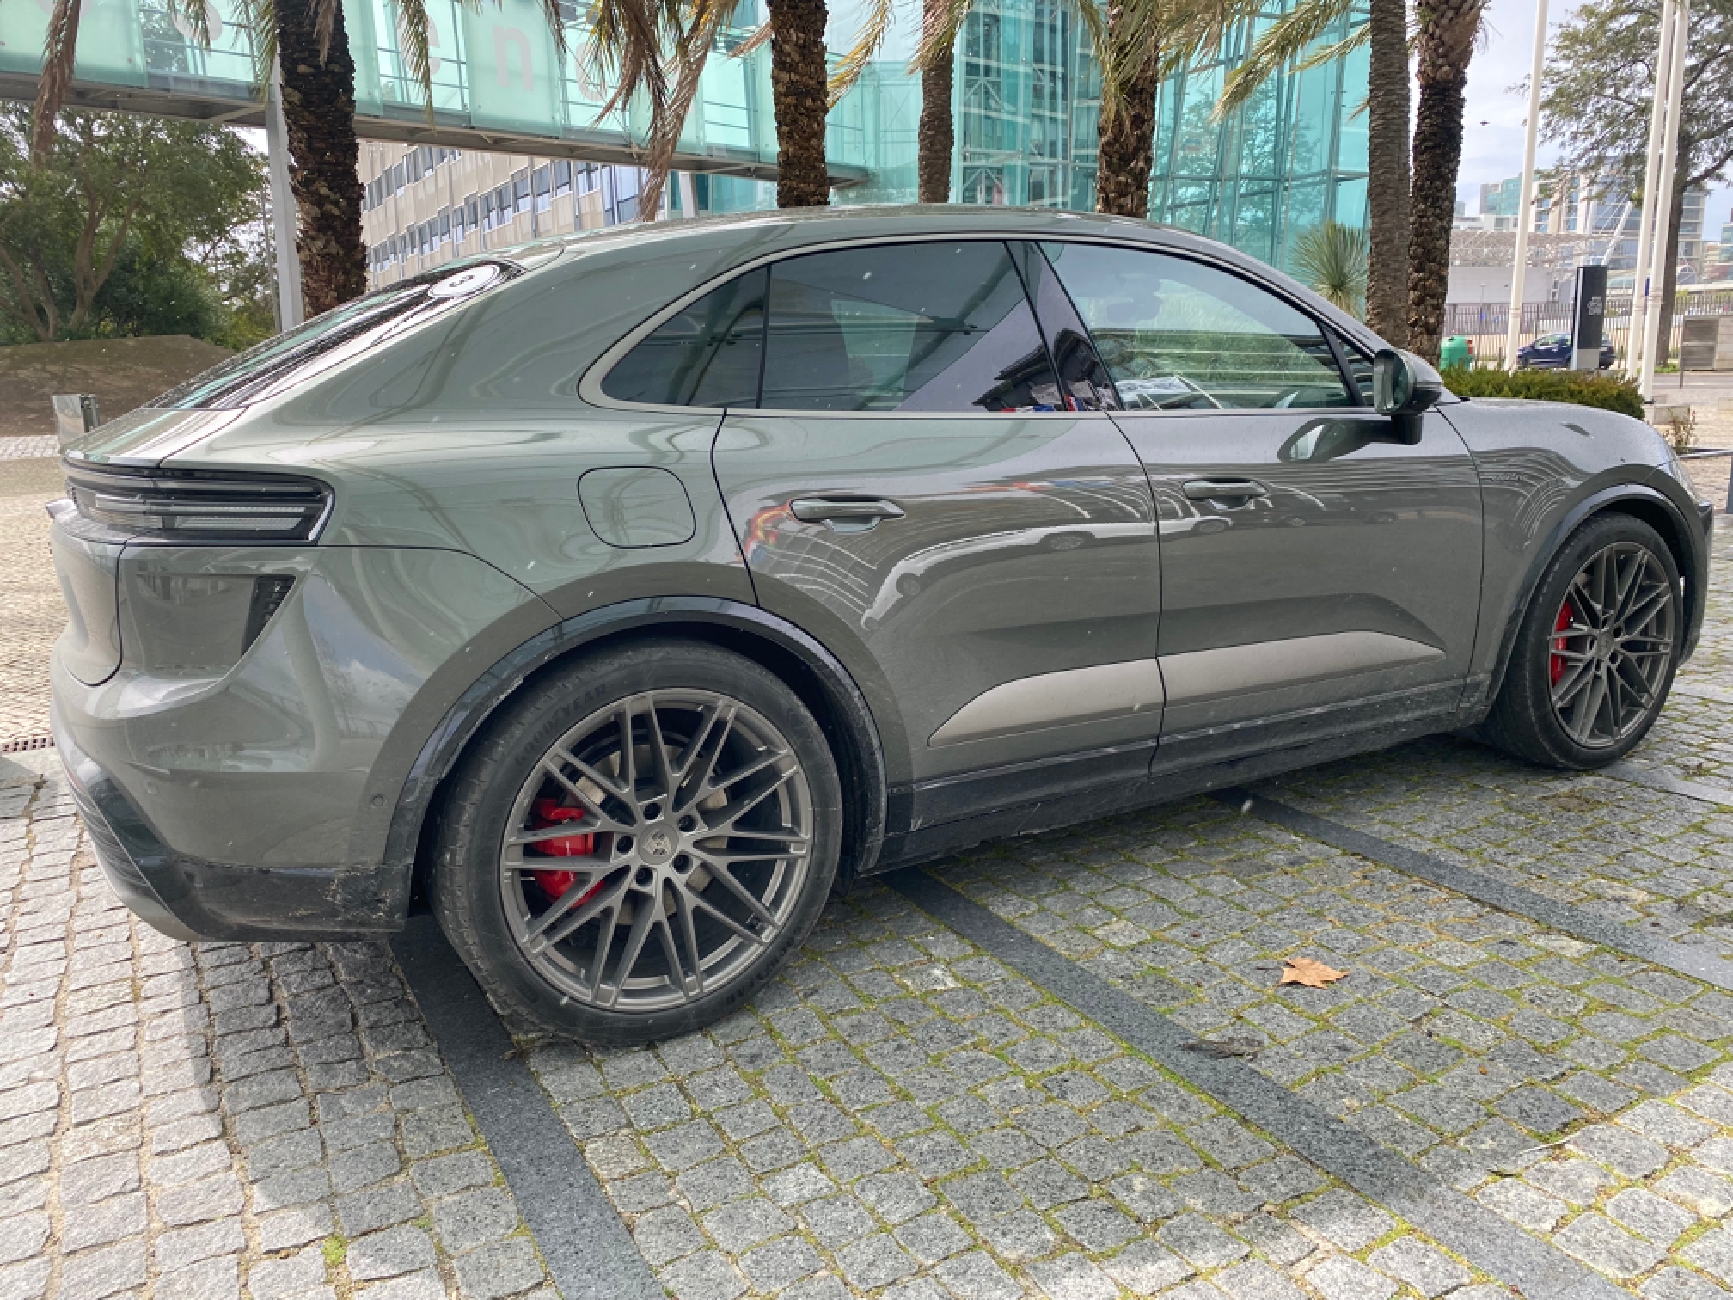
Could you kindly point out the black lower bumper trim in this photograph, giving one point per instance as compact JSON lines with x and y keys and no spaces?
{"x":191,"y":898}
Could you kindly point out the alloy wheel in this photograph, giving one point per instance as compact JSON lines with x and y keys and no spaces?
{"x":1611,"y":645}
{"x":657,"y":850}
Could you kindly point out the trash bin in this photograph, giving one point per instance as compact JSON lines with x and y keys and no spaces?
{"x":1457,"y":351}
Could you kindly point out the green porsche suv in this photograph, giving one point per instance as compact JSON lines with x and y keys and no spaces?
{"x":618,"y":597}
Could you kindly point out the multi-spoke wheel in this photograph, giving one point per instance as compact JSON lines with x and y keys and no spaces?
{"x":1596,"y":653}
{"x":1612,"y":645}
{"x":637,"y":844}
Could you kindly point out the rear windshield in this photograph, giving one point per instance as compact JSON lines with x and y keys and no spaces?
{"x":329,"y":339}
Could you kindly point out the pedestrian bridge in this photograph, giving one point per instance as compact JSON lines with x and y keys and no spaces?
{"x":498,"y":83}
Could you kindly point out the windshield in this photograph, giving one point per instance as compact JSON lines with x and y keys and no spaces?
{"x":329,"y":339}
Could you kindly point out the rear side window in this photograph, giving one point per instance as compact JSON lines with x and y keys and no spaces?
{"x":706,"y":354}
{"x":905,"y":327}
{"x":1178,"y":335}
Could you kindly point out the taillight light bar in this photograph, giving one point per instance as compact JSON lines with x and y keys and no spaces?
{"x":197,"y":506}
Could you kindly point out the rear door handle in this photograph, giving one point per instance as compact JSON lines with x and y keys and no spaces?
{"x":1218,"y":489}
{"x":844,"y":515}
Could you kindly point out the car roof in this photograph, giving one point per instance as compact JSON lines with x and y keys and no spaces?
{"x":793,"y":228}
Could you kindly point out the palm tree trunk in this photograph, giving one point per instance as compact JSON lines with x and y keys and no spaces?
{"x":1387,"y":164}
{"x":1447,"y":30}
{"x":936,"y":136}
{"x":798,"y":93}
{"x":1125,"y":142}
{"x":319,"y":117}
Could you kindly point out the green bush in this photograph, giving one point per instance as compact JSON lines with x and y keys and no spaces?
{"x":1578,"y":386}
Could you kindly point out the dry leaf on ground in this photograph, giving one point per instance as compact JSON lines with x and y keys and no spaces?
{"x":1313,"y":974}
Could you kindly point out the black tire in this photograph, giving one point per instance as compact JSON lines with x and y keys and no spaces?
{"x":473,"y":887}
{"x":1524,"y":720}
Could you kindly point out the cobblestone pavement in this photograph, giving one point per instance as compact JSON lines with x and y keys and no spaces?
{"x":900,"y":1115}
{"x":20,"y":448}
{"x":32,"y":611}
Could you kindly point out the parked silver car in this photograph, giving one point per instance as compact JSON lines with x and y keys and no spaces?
{"x":621,"y":595}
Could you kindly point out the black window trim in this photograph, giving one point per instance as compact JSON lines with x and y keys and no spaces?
{"x":589,"y":386}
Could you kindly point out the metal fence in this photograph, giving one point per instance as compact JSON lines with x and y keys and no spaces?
{"x":1487,"y":323}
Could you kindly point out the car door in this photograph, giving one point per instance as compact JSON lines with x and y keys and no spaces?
{"x":912,"y":490}
{"x":1317,"y":571}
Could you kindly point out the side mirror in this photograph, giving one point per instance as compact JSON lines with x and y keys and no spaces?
{"x":1403,"y":386}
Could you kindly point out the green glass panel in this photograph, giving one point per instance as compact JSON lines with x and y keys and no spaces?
{"x":110,"y":40}
{"x":514,"y":81}
{"x":359,"y":22}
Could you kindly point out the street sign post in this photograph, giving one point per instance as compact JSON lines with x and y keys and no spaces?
{"x":1589,"y":318}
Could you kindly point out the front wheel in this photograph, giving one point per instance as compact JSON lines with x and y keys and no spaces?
{"x":639,"y":842}
{"x":1596,"y":651}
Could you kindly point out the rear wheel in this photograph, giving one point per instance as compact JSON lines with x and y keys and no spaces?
{"x":639,"y":842}
{"x":1596,"y":652}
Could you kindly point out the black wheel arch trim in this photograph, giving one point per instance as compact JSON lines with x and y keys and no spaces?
{"x":861,"y":760}
{"x":1688,"y":541}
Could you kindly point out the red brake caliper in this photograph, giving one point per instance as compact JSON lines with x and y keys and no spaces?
{"x":1556,"y":662}
{"x":546,"y":813}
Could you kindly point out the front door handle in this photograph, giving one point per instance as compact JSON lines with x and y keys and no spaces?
{"x":844,"y":514}
{"x":1218,"y":489}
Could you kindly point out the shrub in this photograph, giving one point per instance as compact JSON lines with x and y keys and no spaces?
{"x":1578,"y":386}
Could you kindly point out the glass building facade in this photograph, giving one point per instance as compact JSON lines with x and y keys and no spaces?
{"x":1026,"y":109}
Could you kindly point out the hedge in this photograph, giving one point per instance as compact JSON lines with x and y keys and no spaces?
{"x":1579,"y":386}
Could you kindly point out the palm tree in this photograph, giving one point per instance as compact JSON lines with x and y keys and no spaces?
{"x":1448,"y":29}
{"x":1130,"y":90}
{"x":1332,"y":258}
{"x":1387,"y":104}
{"x":799,"y":88}
{"x":934,"y":60}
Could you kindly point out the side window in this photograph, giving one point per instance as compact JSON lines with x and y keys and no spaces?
{"x":706,"y":354}
{"x":905,"y":327}
{"x":1179,"y":335}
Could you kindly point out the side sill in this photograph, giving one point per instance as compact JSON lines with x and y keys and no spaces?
{"x":1047,"y":809}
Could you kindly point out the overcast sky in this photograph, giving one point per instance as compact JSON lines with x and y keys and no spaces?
{"x":1494,"y":151}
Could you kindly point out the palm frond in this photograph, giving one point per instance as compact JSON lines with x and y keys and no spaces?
{"x":760,"y":34}
{"x":195,"y":18}
{"x":260,"y":18}
{"x":59,"y":52}
{"x":695,"y":39}
{"x":939,"y":28}
{"x":627,"y":40}
{"x":1332,"y":259}
{"x":872,"y":35}
{"x":1286,"y":40}
{"x":1361,"y":35}
{"x":325,"y":13}
{"x":412,"y":35}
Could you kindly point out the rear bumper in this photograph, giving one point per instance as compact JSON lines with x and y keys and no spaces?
{"x":189,"y":898}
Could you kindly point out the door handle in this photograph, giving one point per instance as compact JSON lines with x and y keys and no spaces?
{"x":1213,"y":489}
{"x":844,"y":515}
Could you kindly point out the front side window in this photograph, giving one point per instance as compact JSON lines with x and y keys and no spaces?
{"x":904,"y":327}
{"x":1179,"y":335}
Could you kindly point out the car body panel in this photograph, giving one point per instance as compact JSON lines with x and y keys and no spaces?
{"x":1027,"y":547}
{"x":288,"y":765}
{"x":1536,"y":461}
{"x":1357,"y":574}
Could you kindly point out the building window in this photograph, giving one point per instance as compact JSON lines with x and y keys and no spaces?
{"x":543,"y":198}
{"x":562,"y":176}
{"x":471,"y":205}
{"x":520,"y":192}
